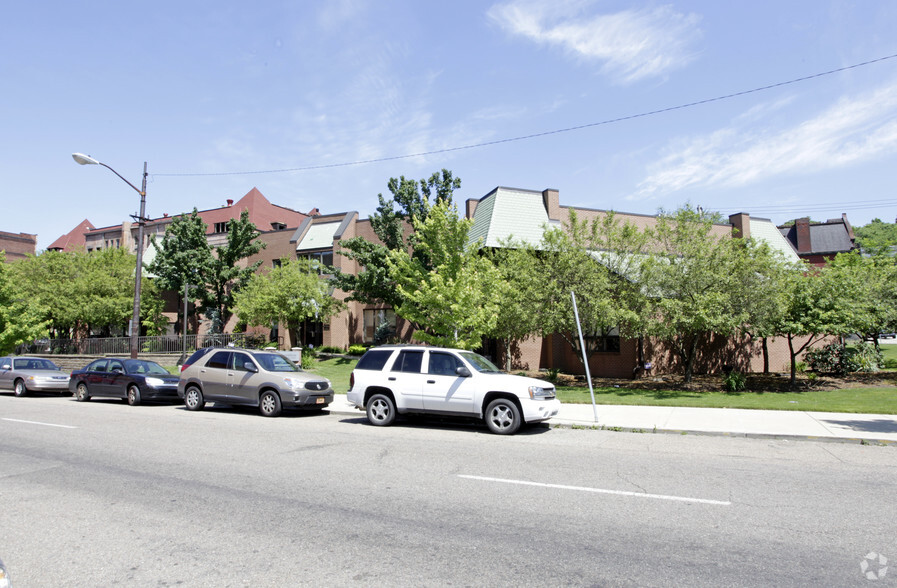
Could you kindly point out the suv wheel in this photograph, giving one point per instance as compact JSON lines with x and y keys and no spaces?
{"x":193,"y":399}
{"x":381,"y":410}
{"x":503,"y":417}
{"x":269,"y":404}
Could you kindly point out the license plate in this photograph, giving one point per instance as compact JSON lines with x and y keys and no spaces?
{"x":319,"y":400}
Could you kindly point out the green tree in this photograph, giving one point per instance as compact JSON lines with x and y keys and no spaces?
{"x":872,"y":284}
{"x":80,"y":293}
{"x":877,"y":237}
{"x":815,"y":307}
{"x":288,"y":294}
{"x":224,"y":276}
{"x":183,"y":256}
{"x":446,"y":286}
{"x":410,"y":201}
{"x":21,"y":321}
{"x":519,"y":288}
{"x":692,"y":276}
{"x":592,"y":260}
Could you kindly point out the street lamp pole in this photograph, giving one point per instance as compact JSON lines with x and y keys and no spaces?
{"x":82,"y":159}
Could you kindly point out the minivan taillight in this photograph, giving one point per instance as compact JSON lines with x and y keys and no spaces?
{"x":351,"y":380}
{"x":184,"y":366}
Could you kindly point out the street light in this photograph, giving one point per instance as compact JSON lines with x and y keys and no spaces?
{"x":82,"y":159}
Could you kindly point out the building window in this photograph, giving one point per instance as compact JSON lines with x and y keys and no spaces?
{"x":324,"y":259}
{"x":222,"y":227}
{"x":379,"y":325}
{"x":276,"y":263}
{"x":608,"y":340}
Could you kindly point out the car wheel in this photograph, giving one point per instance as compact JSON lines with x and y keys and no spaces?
{"x":133,"y":395}
{"x":269,"y":404}
{"x":19,"y":388}
{"x":81,"y":393}
{"x":381,"y":410}
{"x":193,"y":399}
{"x":503,"y":417}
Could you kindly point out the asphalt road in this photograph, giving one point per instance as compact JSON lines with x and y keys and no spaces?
{"x":103,"y":494}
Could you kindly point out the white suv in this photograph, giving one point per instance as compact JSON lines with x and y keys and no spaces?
{"x":400,"y":379}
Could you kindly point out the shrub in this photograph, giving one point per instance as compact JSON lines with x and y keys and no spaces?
{"x":330,"y":349}
{"x":551,"y":374}
{"x":357,"y":349}
{"x":734,"y":381}
{"x":839,"y":359}
{"x":891,"y":364}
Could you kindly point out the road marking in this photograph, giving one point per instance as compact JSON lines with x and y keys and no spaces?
{"x":600,"y":490}
{"x":37,"y":423}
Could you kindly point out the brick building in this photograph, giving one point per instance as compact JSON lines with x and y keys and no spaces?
{"x":817,"y":243}
{"x":17,"y":245}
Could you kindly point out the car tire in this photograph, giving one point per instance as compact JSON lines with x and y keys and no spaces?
{"x":269,"y":404}
{"x":81,"y":392}
{"x":19,"y":388}
{"x":503,"y":417}
{"x":381,"y":410}
{"x":193,"y":398}
{"x":133,"y":395}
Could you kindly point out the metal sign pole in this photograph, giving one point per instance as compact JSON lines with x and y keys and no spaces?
{"x":585,"y":360}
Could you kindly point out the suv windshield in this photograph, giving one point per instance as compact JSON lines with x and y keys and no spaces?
{"x":274,"y":362}
{"x":480,"y":363}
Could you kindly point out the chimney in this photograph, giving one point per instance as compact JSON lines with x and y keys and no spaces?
{"x":802,"y":229}
{"x":230,"y":202}
{"x":471,"y":207}
{"x":741,"y":225}
{"x":551,"y":199}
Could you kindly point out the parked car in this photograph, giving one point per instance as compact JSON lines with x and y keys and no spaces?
{"x":134,"y":380}
{"x":265,"y":379}
{"x":400,"y":379}
{"x":5,"y":582}
{"x":31,"y":374}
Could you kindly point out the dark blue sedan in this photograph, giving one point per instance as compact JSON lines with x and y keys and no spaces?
{"x":132,"y":379}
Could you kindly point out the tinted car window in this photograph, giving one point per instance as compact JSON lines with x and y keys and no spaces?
{"x":442,"y":364}
{"x":219,"y":360}
{"x":116,"y":365}
{"x":98,"y":366}
{"x":239,"y":362}
{"x":409,"y":361}
{"x":374,"y":359}
{"x":274,"y":362}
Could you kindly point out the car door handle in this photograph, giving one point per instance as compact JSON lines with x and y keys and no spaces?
{"x":391,"y":379}
{"x":431,"y":381}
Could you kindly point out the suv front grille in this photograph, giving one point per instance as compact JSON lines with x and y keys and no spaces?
{"x":316,"y":386}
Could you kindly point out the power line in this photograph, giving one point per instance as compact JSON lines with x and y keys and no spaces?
{"x":542,"y":134}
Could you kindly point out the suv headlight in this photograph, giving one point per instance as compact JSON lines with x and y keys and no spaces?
{"x":294,"y":383}
{"x":538,"y":392}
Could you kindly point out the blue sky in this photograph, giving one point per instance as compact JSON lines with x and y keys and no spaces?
{"x":220,"y":88}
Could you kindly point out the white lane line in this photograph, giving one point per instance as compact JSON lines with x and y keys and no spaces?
{"x":600,"y":490}
{"x":37,"y":423}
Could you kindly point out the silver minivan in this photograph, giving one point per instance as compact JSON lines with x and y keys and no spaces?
{"x":248,"y":377}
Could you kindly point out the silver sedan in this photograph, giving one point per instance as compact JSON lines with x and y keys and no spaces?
{"x":31,"y":374}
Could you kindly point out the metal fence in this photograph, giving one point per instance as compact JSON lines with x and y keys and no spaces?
{"x":121,"y":345}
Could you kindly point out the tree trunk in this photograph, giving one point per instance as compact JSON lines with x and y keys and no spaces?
{"x":765,"y":342}
{"x":793,"y":361}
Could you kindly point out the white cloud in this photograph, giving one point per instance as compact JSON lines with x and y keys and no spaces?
{"x":853,"y":130}
{"x":632,"y":44}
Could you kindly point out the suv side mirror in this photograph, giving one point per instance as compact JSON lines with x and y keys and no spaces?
{"x":250,"y":367}
{"x":462,"y":371}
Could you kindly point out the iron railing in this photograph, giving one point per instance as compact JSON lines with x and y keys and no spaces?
{"x":121,"y":345}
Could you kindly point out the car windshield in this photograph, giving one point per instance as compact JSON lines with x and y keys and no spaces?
{"x":149,"y":368}
{"x":480,"y":363}
{"x":274,"y":362}
{"x":34,"y":364}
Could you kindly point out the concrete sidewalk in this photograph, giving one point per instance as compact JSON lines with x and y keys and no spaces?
{"x":847,"y":427}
